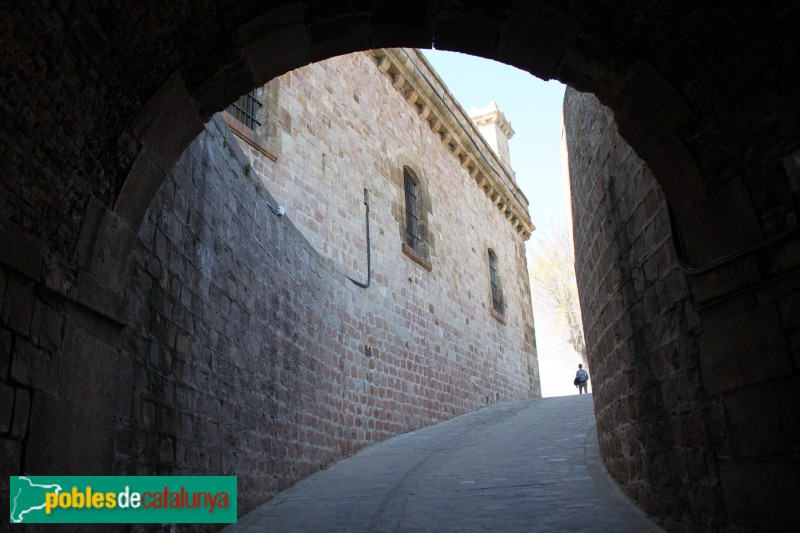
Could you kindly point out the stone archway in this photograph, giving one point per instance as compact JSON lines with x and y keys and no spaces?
{"x":155,"y":107}
{"x":100,"y":103}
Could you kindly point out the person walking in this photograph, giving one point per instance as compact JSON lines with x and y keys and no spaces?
{"x":581,"y":379}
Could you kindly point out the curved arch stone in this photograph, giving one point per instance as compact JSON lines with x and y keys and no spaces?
{"x":102,"y":100}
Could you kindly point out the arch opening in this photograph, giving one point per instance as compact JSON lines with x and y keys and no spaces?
{"x":714,"y":143}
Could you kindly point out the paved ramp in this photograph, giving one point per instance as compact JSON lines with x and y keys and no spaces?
{"x":520,"y":466}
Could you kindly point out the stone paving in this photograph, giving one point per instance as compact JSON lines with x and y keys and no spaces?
{"x":521,"y":466}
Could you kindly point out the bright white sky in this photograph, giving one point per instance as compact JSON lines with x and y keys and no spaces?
{"x":533,"y":107}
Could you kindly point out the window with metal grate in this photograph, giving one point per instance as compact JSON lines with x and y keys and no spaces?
{"x":497,"y":295}
{"x":412,"y":210}
{"x":245,"y":108}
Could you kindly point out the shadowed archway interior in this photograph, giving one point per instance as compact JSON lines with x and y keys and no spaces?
{"x":99,"y":103}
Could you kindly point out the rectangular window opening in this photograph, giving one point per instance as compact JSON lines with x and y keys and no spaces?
{"x":245,"y":109}
{"x":412,"y":217}
{"x":497,"y":295}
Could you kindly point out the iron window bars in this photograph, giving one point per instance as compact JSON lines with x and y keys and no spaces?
{"x":412,"y":211}
{"x":244,"y":109}
{"x":497,"y":296}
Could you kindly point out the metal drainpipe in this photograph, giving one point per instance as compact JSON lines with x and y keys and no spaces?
{"x":369,"y":249}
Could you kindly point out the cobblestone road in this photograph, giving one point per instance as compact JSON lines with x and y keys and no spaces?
{"x":521,"y":466}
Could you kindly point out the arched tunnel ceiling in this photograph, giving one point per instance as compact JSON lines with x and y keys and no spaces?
{"x":102,"y":99}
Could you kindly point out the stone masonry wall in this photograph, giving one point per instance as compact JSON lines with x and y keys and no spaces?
{"x":262,"y":360}
{"x":639,"y":325}
{"x":339,"y":127}
{"x":99,"y":99}
{"x":694,"y":382}
{"x":245,"y":352}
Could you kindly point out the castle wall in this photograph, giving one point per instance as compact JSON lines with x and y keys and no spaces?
{"x":680,"y":381}
{"x":339,"y":127}
{"x":243,"y":350}
{"x":264,"y":360}
{"x":638,"y":322}
{"x":99,"y":102}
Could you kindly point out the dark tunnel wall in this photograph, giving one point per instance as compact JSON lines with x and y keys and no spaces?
{"x":99,"y":101}
{"x":709,"y":385}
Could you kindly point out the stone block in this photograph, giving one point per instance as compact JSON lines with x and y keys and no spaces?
{"x":32,"y":366}
{"x":745,"y":350}
{"x":473,"y":35}
{"x":10,"y":457}
{"x":47,"y":326}
{"x":790,"y":311}
{"x":5,"y":353}
{"x":264,"y":56}
{"x":18,"y":306}
{"x":20,"y":250}
{"x":66,"y":438}
{"x":545,"y":32}
{"x":110,"y":251}
{"x":784,"y":258}
{"x":671,"y":159}
{"x":757,"y":493}
{"x":408,"y":23}
{"x":144,"y":179}
{"x":166,"y":451}
{"x":166,"y":125}
{"x":339,"y":35}
{"x":22,"y":406}
{"x":3,"y":281}
{"x":87,"y":359}
{"x":217,"y":92}
{"x":719,"y":223}
{"x":756,"y":421}
{"x":7,"y":395}
{"x":794,"y":346}
{"x":92,"y":218}
{"x":648,"y":109}
{"x":102,"y":298}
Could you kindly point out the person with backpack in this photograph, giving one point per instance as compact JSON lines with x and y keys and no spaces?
{"x":581,"y":379}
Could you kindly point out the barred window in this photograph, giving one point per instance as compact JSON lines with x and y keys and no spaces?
{"x":412,"y":210}
{"x":245,"y":108}
{"x":497,"y":295}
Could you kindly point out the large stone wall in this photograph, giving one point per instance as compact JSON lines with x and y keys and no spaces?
{"x":275,"y":363}
{"x":692,"y":409}
{"x":338,"y":128}
{"x":244,"y":351}
{"x":100,"y":100}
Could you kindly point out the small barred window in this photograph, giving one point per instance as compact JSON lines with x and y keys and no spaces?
{"x":494,"y":279}
{"x":245,"y":109}
{"x":412,"y":210}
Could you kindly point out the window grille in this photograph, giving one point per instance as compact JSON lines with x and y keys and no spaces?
{"x":412,"y":210}
{"x":245,"y":108}
{"x":497,"y":296}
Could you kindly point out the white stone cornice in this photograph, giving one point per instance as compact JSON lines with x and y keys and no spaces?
{"x":494,"y":116}
{"x":422,"y":89}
